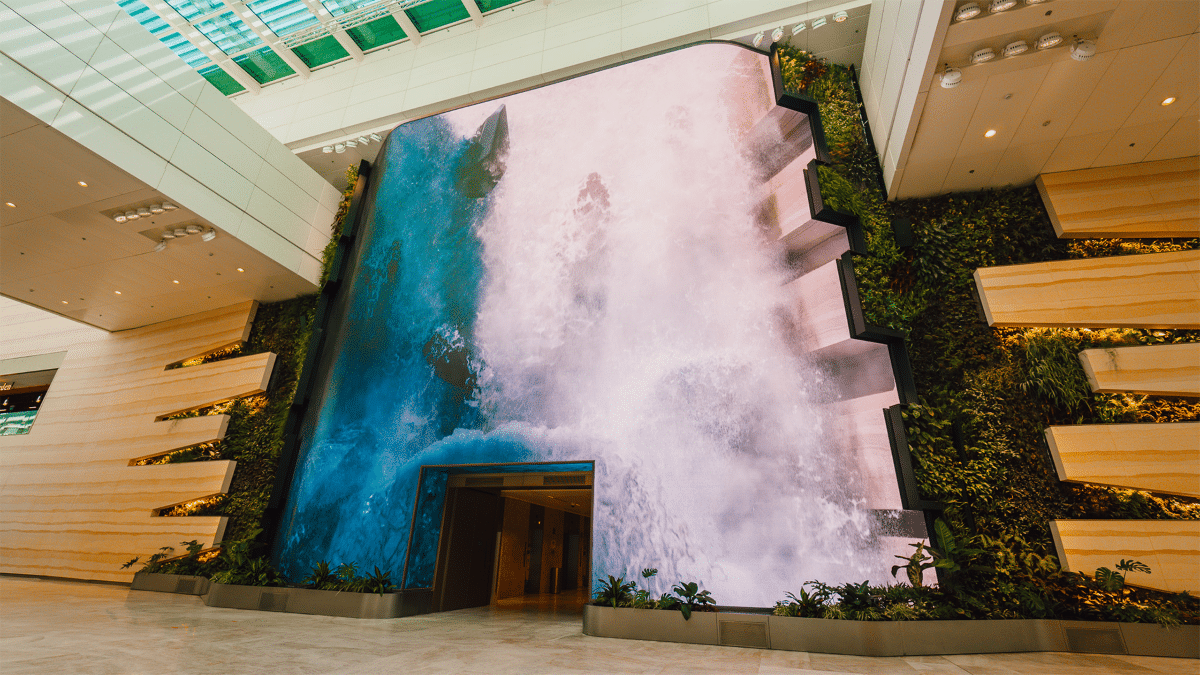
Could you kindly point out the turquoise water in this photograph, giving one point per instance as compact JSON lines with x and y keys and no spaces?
{"x":603,"y":294}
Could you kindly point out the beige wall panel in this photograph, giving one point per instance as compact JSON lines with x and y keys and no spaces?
{"x":1149,"y":199}
{"x":1162,"y":370}
{"x":1170,"y":547}
{"x":510,"y":581}
{"x":1158,"y":290}
{"x":1155,"y":457}
{"x":71,"y":504}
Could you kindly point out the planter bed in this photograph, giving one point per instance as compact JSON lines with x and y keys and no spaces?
{"x":893,"y":638}
{"x":169,"y":583}
{"x":286,"y":599}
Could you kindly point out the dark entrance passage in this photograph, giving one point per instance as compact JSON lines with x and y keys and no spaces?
{"x":511,"y":536}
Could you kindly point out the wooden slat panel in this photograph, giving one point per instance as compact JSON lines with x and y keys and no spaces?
{"x":1150,"y":199}
{"x":1170,"y":547}
{"x":70,"y":503}
{"x":1162,"y":370}
{"x":1158,"y":290}
{"x":1155,"y":457}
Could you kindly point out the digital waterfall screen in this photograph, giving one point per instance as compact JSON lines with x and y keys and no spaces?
{"x":620,"y":268}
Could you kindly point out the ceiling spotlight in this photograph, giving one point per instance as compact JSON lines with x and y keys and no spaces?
{"x":82,"y":184}
{"x":1168,"y":100}
{"x":209,"y":235}
{"x":1001,"y":5}
{"x":240,"y":269}
{"x":327,"y":149}
{"x":143,"y":212}
{"x":1035,"y":2}
{"x":180,"y":233}
{"x":1049,"y":40}
{"x":759,"y":38}
{"x":376,"y":137}
{"x":131,"y":215}
{"x":1015,"y":48}
{"x":777,"y":34}
{"x":160,"y":246}
{"x":168,"y":234}
{"x":967,"y":11}
{"x":983,"y":55}
{"x":156,"y":208}
{"x":989,"y":133}
{"x":193,"y":229}
{"x":362,"y":140}
{"x":818,"y":22}
{"x":799,"y":28}
{"x":351,"y":144}
{"x":340,"y":148}
{"x":841,"y":16}
{"x":174,"y":281}
{"x":120,"y":218}
{"x":10,"y":205}
{"x":117,"y":292}
{"x":951,"y":78}
{"x":168,"y":206}
{"x":1082,"y":50}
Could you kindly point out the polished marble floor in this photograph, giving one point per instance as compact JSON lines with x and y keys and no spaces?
{"x":52,"y":627}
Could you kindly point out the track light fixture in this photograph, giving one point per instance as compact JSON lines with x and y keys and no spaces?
{"x":1015,"y":48}
{"x":777,"y":34}
{"x":160,"y":246}
{"x":1049,"y":40}
{"x":758,"y":39}
{"x":967,"y":11}
{"x":998,"y":6}
{"x":1082,"y":50}
{"x":327,"y":149}
{"x":983,"y":55}
{"x":376,"y":137}
{"x":818,"y":22}
{"x":209,"y":235}
{"x":799,"y":28}
{"x":951,"y":77}
{"x":841,"y":16}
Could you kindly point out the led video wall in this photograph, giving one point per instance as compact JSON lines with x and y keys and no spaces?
{"x":620,"y":268}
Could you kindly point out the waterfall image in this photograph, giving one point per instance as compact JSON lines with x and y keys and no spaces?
{"x":580,"y":273}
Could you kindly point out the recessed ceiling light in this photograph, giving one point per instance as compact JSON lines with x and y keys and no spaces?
{"x":1049,"y":40}
{"x":82,"y":184}
{"x":1166,"y":101}
{"x":983,"y":55}
{"x":1015,"y":48}
{"x":967,"y":11}
{"x":174,"y":281}
{"x":10,"y":204}
{"x":989,"y":133}
{"x":65,"y":302}
{"x":241,"y":270}
{"x":841,"y":16}
{"x":117,"y":292}
{"x":120,"y":218}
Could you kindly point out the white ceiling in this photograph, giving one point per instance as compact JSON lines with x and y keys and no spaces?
{"x":60,"y":250}
{"x":1052,"y":113}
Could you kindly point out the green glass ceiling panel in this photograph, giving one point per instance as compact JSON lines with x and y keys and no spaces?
{"x":338,"y":7}
{"x":486,"y":6}
{"x":264,"y":65}
{"x":221,"y":80}
{"x":185,"y":50}
{"x":149,"y":20}
{"x":228,"y":33}
{"x":377,"y":33}
{"x":283,"y":16}
{"x":320,"y":52}
{"x":437,"y":13}
{"x":191,"y":9}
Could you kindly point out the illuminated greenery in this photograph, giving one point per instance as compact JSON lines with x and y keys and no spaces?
{"x":988,"y":394}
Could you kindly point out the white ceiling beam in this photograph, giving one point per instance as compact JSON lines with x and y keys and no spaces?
{"x":318,"y":10}
{"x":200,"y":41}
{"x":473,"y":10}
{"x":264,"y":33}
{"x":410,"y":28}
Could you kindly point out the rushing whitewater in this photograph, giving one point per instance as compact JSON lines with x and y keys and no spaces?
{"x":612,"y":298}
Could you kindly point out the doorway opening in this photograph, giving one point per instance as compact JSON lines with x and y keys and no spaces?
{"x":515,"y":539}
